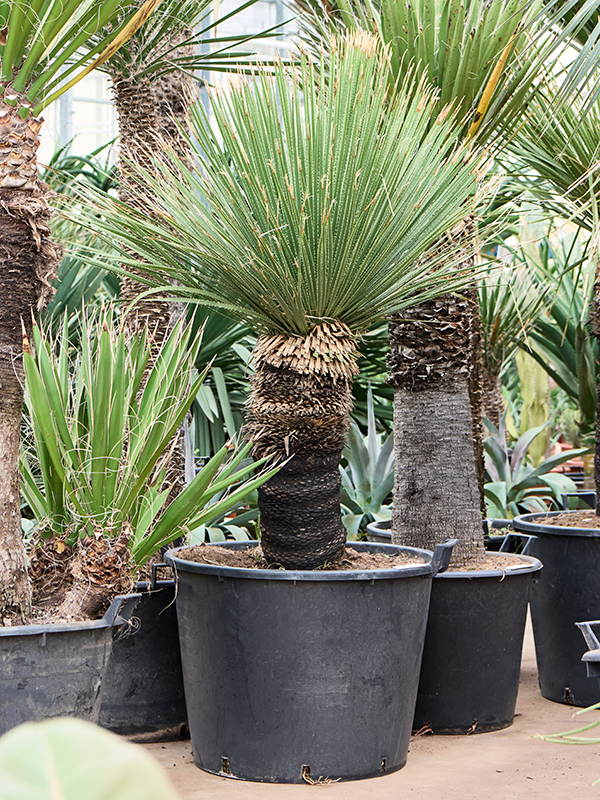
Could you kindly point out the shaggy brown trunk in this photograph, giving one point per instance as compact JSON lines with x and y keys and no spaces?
{"x":300,"y":407}
{"x":100,"y":571}
{"x":476,"y":392}
{"x":436,"y":493}
{"x":140,"y":128}
{"x":595,"y":320}
{"x":27,"y":262}
{"x":172,"y":94}
{"x":493,"y":403}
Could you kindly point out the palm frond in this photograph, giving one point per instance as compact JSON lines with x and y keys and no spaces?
{"x":477,"y":53}
{"x":557,"y":156}
{"x":311,"y":203}
{"x":42,"y":39}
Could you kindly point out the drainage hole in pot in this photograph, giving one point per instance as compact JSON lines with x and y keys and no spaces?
{"x":306,"y":772}
{"x":225,"y":766}
{"x":383,"y":764}
{"x":568,"y":697}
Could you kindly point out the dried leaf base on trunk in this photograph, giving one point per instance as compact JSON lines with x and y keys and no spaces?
{"x":300,"y":408}
{"x":28,"y":259}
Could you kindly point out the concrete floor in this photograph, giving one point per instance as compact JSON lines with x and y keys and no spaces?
{"x":507,"y":764}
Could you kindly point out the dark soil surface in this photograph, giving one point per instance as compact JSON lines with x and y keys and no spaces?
{"x":252,"y":558}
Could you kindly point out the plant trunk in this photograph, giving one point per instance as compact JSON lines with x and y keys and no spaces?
{"x":436,"y":493}
{"x":476,"y":392}
{"x":100,"y":571}
{"x":300,"y":408}
{"x":140,"y":139}
{"x":595,"y":320}
{"x":28,"y":261}
{"x":493,"y":403}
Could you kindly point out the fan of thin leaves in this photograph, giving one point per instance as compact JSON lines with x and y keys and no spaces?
{"x":556,"y":157}
{"x":156,"y":52}
{"x":477,"y":52}
{"x":41,"y":44}
{"x":309,"y":204}
{"x":511,"y":300}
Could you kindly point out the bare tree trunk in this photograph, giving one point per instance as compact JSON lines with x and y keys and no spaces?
{"x":300,"y":407}
{"x":28,"y":260}
{"x":436,"y":493}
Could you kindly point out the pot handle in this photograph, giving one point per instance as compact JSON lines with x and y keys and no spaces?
{"x":441,"y":556}
{"x":121,"y":609}
{"x":592,"y":657}
{"x":514,"y":538}
{"x":153,"y":577}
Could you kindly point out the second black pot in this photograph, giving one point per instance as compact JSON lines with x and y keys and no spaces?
{"x":143,"y":690}
{"x":567,"y":592}
{"x":472,"y":654}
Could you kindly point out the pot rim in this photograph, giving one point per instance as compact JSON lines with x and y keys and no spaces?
{"x":117,"y":614}
{"x":314,"y":576}
{"x":526,"y":523}
{"x":532,"y":565}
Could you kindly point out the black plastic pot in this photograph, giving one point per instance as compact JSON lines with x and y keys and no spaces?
{"x":382,"y":532}
{"x":579,"y":500}
{"x":292,"y":676}
{"x":143,"y":691}
{"x":57,"y":670}
{"x":472,"y":655}
{"x":591,"y":659}
{"x":566,"y":591}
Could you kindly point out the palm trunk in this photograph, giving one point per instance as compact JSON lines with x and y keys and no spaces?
{"x":140,"y":129}
{"x":476,"y":392}
{"x":436,"y":492}
{"x":300,"y":408}
{"x":27,"y":262}
{"x":493,"y":403}
{"x":595,"y":320}
{"x":138,"y":133}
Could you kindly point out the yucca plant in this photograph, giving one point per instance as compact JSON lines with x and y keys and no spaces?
{"x":306,"y":219}
{"x":40,"y":59}
{"x":477,"y":55}
{"x":100,"y":439}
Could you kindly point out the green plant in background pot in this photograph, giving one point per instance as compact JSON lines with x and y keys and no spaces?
{"x":517,"y":485}
{"x":368,"y":478}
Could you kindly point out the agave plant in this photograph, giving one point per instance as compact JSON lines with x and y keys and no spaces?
{"x":307,"y":221}
{"x":368,"y":478}
{"x":40,"y":52}
{"x":100,"y":438}
{"x":517,"y":487}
